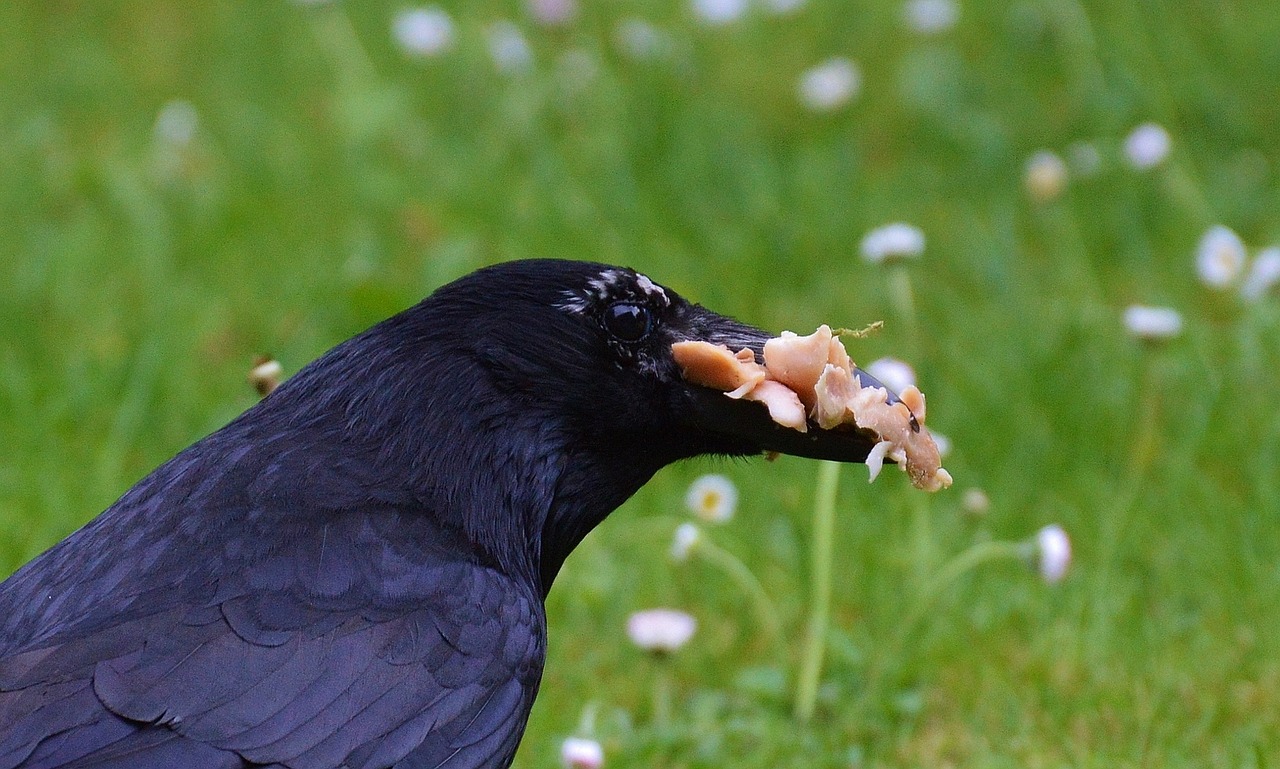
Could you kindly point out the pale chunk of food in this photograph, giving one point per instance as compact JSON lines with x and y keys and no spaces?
{"x":811,"y":379}
{"x":784,"y":405}
{"x":842,"y":400}
{"x":875,"y":459}
{"x":797,"y":361}
{"x":712,"y":365}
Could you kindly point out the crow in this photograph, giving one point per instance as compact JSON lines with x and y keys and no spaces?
{"x":352,"y":572}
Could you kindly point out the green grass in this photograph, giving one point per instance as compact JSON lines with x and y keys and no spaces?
{"x":333,"y":181}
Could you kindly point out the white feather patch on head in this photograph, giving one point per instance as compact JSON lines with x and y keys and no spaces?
{"x":649,"y":287}
{"x":573,"y":302}
{"x":611,"y":283}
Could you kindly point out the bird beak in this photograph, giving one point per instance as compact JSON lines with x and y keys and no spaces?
{"x":747,"y":426}
{"x":747,"y":423}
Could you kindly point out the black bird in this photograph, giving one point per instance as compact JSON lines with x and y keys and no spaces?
{"x":352,"y":572}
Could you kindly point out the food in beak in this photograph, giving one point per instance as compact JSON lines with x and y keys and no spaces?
{"x":811,"y":380}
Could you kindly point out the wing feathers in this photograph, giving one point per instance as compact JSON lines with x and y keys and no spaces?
{"x":271,"y":679}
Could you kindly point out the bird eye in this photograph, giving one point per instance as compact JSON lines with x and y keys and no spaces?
{"x":628,"y":322}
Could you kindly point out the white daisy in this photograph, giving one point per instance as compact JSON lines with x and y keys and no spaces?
{"x":553,"y":13}
{"x":895,"y":374}
{"x":1146,"y":322}
{"x":931,"y":17}
{"x":509,"y":48}
{"x":640,"y":40}
{"x":176,"y":123}
{"x":719,"y":12}
{"x":661,"y":631}
{"x":581,"y":753}
{"x":423,"y":31}
{"x":830,"y":85}
{"x":712,"y":498}
{"x":1147,"y":146}
{"x":892,"y":241}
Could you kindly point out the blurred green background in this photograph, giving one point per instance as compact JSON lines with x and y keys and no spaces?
{"x":189,"y":185}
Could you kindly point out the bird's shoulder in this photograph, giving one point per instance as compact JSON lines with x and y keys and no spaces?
{"x":273,"y":677}
{"x":314,"y":623}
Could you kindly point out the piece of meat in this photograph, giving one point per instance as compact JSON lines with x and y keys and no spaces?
{"x":812,"y":379}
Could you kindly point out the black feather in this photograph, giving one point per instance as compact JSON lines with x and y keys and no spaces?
{"x":352,"y":572}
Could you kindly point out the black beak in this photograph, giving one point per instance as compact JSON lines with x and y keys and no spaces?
{"x":745,"y":426}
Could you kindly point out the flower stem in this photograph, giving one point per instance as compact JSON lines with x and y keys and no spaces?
{"x":965,"y":562}
{"x":1147,"y":429}
{"x":737,"y":571}
{"x":824,"y":506}
{"x":902,"y":296}
{"x":953,"y":570}
{"x":662,"y":696}
{"x":900,"y":291}
{"x":587,"y":721}
{"x":1141,"y":453}
{"x":338,"y":37}
{"x":1185,"y":189}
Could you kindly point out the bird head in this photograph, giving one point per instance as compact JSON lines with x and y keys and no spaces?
{"x":542,"y":394}
{"x":590,"y":347}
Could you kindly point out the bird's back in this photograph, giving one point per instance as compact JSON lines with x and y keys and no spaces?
{"x":217,"y":615}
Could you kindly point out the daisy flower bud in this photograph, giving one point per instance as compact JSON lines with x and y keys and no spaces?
{"x":265,"y":375}
{"x":640,"y":40}
{"x":1264,"y":274}
{"x":830,"y":85}
{"x":1053,"y":553}
{"x":1085,"y":159}
{"x":1045,"y":176}
{"x":783,"y":7}
{"x":975,"y":501}
{"x":1220,"y":257}
{"x":686,"y":536}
